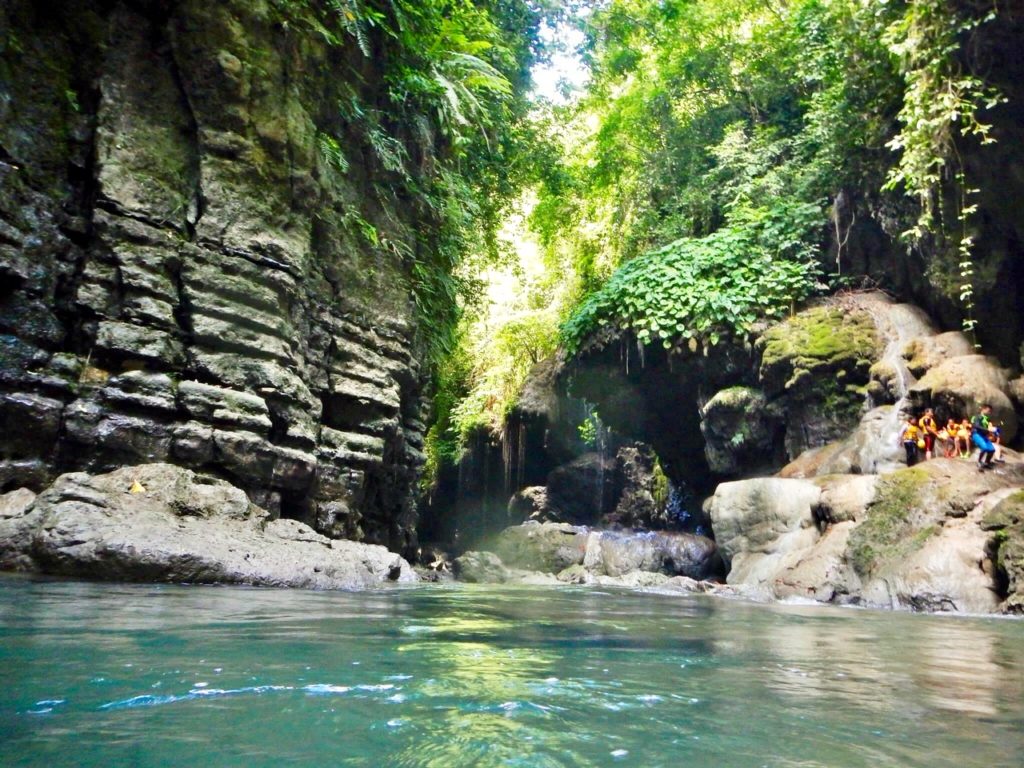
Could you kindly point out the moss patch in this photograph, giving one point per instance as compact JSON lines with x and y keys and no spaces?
{"x":822,"y":355}
{"x":820,"y":338}
{"x":888,"y":531}
{"x":1006,"y":521}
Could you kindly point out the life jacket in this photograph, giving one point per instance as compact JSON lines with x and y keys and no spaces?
{"x":910,"y":433}
{"x":980,"y":425}
{"x":928,"y":424}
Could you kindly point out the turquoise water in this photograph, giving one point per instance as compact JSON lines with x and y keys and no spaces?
{"x":108,"y":675}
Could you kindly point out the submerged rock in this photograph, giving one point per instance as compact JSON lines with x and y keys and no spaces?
{"x":163,"y":523}
{"x":580,"y":555}
{"x":481,"y":568}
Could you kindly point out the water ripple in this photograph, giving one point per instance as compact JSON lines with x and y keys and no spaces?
{"x":149,"y":700}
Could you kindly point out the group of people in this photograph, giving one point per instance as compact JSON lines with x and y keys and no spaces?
{"x":958,"y":438}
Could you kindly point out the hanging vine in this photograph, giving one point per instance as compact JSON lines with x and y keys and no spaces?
{"x":943,"y":103}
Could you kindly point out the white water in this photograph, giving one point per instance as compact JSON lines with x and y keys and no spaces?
{"x":878,"y":445}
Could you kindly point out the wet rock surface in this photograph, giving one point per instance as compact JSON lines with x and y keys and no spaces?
{"x":575,"y":554}
{"x":1005,"y":521}
{"x":163,"y":523}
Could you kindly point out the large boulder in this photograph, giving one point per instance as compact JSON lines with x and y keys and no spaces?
{"x":673,"y":554}
{"x":911,"y":539}
{"x":926,"y":352}
{"x":815,"y":368}
{"x":584,"y":490}
{"x":546,"y":547}
{"x":760,"y":524}
{"x":642,"y":490}
{"x":959,"y":386}
{"x":920,"y":544}
{"x":738,"y":426}
{"x":530,"y":503}
{"x":477,"y":567}
{"x":159,"y":522}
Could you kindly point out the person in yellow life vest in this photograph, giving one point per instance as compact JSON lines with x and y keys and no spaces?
{"x":963,"y":439}
{"x":909,"y":436}
{"x":951,"y":429}
{"x":929,"y":431}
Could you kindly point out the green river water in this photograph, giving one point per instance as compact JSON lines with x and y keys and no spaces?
{"x":461,"y":675}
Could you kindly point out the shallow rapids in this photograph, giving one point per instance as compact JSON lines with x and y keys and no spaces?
{"x":101,"y":675}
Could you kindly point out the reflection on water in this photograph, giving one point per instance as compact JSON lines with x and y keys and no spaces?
{"x":435,"y":677}
{"x":950,"y":663}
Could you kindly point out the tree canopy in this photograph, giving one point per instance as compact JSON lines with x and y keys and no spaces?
{"x":686,"y":192}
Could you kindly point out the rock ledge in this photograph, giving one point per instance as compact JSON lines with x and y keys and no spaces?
{"x":163,"y":523}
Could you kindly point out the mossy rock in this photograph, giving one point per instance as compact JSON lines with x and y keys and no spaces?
{"x":820,"y":342}
{"x":737,"y":424}
{"x":1006,"y":514}
{"x":892,"y":526}
{"x":1006,"y":521}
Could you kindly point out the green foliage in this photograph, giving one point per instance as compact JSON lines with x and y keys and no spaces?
{"x":440,"y":141}
{"x":710,"y":287}
{"x":589,"y":429}
{"x":704,"y":119}
{"x":699,"y":108}
{"x":451,"y":385}
{"x":503,"y":355}
{"x":441,"y":145}
{"x":685,"y":195}
{"x":941,"y":102}
{"x":662,"y":487}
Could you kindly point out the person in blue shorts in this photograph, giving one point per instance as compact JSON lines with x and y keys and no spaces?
{"x":981,"y":436}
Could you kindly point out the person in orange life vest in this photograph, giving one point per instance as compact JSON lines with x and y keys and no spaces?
{"x":963,"y":439}
{"x":951,"y":429}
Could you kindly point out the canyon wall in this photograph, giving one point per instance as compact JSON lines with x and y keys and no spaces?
{"x":182,"y":276}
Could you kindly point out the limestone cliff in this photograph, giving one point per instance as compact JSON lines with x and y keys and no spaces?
{"x":181,"y":275}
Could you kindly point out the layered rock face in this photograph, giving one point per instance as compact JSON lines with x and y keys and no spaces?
{"x":181,"y":276}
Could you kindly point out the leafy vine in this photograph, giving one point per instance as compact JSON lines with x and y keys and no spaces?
{"x":943,"y":102}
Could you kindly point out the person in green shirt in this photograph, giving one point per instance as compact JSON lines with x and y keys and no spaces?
{"x":981,"y":436}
